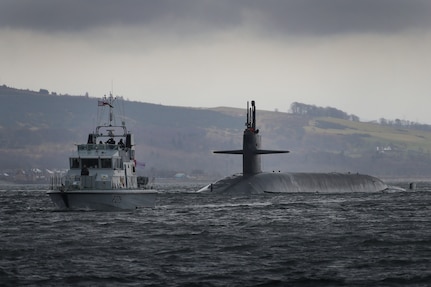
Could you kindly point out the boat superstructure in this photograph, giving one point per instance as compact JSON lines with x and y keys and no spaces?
{"x":254,"y":180}
{"x":102,"y":173}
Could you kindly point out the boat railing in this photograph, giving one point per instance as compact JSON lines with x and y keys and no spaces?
{"x":97,"y":147}
{"x":56,"y":182}
{"x":73,"y":182}
{"x":62,"y":183}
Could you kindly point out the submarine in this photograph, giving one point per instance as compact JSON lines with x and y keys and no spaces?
{"x":253,"y":180}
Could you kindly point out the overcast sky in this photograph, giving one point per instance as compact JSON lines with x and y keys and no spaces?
{"x":370,"y":58}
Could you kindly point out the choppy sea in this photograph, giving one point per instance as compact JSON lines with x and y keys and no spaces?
{"x":189,"y":239}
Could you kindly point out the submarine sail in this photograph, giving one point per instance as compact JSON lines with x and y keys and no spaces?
{"x":254,"y":180}
{"x":251,"y":163}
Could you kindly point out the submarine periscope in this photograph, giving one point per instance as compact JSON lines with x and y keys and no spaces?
{"x":253,"y":180}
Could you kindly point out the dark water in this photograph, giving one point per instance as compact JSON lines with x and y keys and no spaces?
{"x":359,"y":239}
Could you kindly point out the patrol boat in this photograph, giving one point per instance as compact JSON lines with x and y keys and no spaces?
{"x":102,"y":174}
{"x":254,"y":180}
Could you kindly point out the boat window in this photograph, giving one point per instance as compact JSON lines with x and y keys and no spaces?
{"x":74,"y":163}
{"x":90,"y":162}
{"x":106,"y":162}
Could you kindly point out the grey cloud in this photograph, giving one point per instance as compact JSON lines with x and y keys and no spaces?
{"x":285,"y":17}
{"x":349,"y":16}
{"x":78,"y":15}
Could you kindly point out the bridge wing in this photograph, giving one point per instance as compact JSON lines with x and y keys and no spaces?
{"x":236,"y":151}
{"x":268,"y":151}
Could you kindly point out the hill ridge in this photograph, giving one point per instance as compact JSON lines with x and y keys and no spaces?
{"x":39,"y":129}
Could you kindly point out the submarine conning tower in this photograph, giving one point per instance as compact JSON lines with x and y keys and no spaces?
{"x":251,"y":163}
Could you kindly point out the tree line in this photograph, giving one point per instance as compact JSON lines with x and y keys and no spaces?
{"x":315,"y":111}
{"x":397,"y":123}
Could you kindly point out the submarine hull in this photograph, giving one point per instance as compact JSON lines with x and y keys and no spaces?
{"x":296,"y":182}
{"x":253,"y":180}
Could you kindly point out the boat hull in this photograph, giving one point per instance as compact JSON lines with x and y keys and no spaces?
{"x":103,"y":199}
{"x":297,"y":182}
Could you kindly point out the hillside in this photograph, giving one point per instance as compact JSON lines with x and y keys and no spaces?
{"x":39,"y":130}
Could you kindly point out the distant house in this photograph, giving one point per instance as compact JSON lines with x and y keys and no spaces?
{"x":384,"y":149}
{"x":180,"y":175}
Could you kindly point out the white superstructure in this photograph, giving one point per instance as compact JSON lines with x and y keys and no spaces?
{"x":102,"y":172}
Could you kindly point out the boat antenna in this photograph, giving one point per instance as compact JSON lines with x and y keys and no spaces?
{"x":248,"y":124}
{"x":253,"y":125}
{"x":111,"y":107}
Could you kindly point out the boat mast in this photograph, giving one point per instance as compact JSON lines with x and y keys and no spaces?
{"x":111,"y":107}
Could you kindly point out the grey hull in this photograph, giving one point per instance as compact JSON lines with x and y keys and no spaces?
{"x":296,"y":182}
{"x":103,"y":200}
{"x":253,"y":180}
